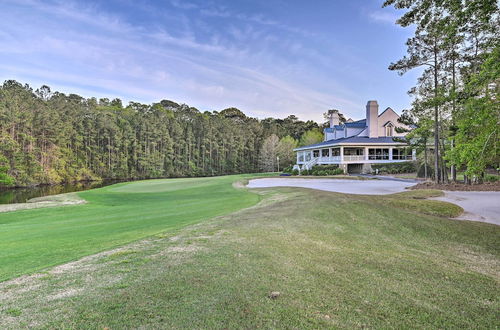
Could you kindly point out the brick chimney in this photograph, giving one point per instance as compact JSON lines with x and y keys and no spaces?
{"x":372,"y":118}
{"x":334,"y":117}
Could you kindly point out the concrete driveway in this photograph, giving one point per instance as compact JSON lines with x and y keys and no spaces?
{"x":360,"y":187}
{"x":481,"y":206}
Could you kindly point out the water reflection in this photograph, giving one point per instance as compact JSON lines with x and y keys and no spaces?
{"x":21,"y":195}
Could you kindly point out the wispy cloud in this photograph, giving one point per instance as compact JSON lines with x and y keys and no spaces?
{"x":383,"y":16}
{"x":212,"y":58}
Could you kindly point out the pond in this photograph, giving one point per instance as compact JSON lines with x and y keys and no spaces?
{"x":21,"y":195}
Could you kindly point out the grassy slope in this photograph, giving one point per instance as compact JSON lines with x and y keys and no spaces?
{"x":338,"y":260}
{"x":31,"y":240}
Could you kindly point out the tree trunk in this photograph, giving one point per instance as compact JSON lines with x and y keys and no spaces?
{"x":436,"y":118}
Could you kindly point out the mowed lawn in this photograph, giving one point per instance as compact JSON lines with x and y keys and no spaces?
{"x":337,"y":260}
{"x":31,"y":240}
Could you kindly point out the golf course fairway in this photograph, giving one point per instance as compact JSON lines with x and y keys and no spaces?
{"x":31,"y":240}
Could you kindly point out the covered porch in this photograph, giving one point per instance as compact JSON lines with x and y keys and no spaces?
{"x":355,"y":154}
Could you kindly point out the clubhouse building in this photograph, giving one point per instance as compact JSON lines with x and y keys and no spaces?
{"x":356,"y":145}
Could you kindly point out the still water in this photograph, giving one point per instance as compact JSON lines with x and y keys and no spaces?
{"x":21,"y":195}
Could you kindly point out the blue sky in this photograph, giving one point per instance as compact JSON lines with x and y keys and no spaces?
{"x":265,"y":57}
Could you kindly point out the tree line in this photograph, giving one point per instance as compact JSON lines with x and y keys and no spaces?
{"x":49,"y":137}
{"x":455,"y":107}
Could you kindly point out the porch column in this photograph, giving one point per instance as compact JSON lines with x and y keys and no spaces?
{"x":298,"y":156}
{"x":329,"y":155}
{"x":341,"y":154}
{"x":366,"y":153}
{"x":390,"y":153}
{"x":413,"y":154}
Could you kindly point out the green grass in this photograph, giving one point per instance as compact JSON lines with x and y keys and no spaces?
{"x":340,"y":261}
{"x":32,"y":240}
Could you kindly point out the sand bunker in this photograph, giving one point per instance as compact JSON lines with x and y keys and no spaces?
{"x":46,"y":201}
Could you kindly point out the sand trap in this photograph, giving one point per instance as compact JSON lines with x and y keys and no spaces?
{"x":46,"y":201}
{"x":481,"y":206}
{"x":360,"y":187}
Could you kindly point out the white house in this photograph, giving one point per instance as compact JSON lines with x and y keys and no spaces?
{"x":356,"y":145}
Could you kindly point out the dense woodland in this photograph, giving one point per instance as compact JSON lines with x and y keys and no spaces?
{"x":456,"y":101}
{"x":48,"y":137}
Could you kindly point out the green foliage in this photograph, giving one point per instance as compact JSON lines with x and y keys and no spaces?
{"x":478,"y":134}
{"x":5,"y":179}
{"x":285,"y":150}
{"x":456,"y":97}
{"x":311,"y":137}
{"x":395,"y":168}
{"x":491,"y":178}
{"x":49,"y":137}
{"x":323,"y":170}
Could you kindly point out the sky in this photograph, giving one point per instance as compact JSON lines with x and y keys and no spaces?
{"x":269,"y":58}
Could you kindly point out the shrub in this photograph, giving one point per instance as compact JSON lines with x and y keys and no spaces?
{"x":322,"y":170}
{"x":491,"y":178}
{"x":295,"y":172}
{"x":288,"y":169}
{"x":395,"y":168}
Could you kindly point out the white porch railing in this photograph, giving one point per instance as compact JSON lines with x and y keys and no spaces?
{"x":350,"y":158}
{"x":333,"y":159}
{"x":309,"y":165}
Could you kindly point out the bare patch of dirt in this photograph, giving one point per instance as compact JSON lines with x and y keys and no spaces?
{"x":487,"y":186}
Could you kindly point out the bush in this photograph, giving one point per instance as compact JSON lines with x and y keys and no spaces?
{"x":295,"y":172}
{"x":491,"y":178}
{"x":395,"y":168}
{"x":322,"y":170}
{"x":288,"y":169}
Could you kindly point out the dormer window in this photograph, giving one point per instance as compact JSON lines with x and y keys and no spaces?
{"x":388,"y":129}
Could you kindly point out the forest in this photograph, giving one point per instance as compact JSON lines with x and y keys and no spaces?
{"x":456,"y":100}
{"x":49,"y":137}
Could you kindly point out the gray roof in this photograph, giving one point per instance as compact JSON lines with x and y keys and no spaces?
{"x":358,"y":123}
{"x":352,"y":139}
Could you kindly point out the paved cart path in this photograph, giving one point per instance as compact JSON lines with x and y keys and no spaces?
{"x":360,"y":187}
{"x":481,"y":206}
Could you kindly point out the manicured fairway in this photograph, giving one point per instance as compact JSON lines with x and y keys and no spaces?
{"x":31,"y":240}
{"x":338,"y":261}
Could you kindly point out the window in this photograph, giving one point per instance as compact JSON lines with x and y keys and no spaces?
{"x":301,"y":156}
{"x":315,"y":153}
{"x":335,"y":151}
{"x":353,"y":151}
{"x":388,"y":129}
{"x":401,"y":154}
{"x":324,"y":153}
{"x":378,"y":154}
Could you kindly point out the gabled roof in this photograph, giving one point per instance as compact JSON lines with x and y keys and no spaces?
{"x":354,"y":140}
{"x":389,"y":123}
{"x":389,"y":108}
{"x":328,"y":130}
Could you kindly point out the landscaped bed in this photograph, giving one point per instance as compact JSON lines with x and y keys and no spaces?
{"x":486,"y":186}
